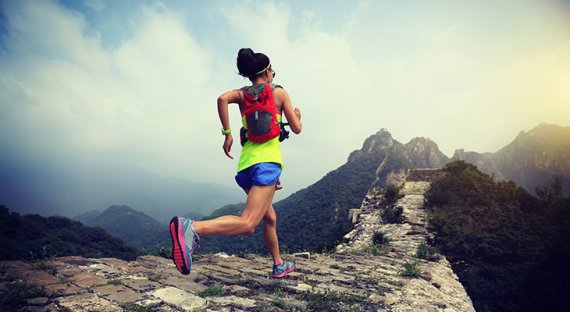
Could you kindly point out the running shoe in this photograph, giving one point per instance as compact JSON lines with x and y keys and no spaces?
{"x":280,"y":270}
{"x":184,"y":242}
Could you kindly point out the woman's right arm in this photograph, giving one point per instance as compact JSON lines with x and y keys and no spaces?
{"x":293,"y":115}
{"x":233,"y":96}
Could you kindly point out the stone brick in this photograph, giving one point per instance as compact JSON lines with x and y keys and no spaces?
{"x":117,"y":293}
{"x":40,"y":278}
{"x":141,"y":285}
{"x":87,"y":302}
{"x":62,"y":289}
{"x":87,"y":280}
{"x":180,"y":298}
{"x":40,"y":301}
{"x":233,"y":301}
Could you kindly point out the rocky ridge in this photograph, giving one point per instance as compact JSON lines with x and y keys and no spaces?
{"x":356,"y":276}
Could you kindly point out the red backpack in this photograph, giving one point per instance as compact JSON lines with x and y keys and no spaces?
{"x":260,"y":113}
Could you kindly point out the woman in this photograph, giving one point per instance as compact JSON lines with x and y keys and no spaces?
{"x":259,"y":168}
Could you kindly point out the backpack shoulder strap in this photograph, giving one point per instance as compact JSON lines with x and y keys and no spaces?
{"x":275,"y":86}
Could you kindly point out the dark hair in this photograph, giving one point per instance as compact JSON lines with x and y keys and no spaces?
{"x":249,"y":64}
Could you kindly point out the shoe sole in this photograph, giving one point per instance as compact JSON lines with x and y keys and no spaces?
{"x":284,"y":272}
{"x":179,"y":252}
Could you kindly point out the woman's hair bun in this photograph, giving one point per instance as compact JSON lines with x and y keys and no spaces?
{"x":249,"y":63}
{"x":245,"y":53}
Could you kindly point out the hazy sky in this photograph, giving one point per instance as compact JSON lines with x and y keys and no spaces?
{"x":137,"y":81}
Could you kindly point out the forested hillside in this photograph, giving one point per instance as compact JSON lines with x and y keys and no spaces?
{"x":33,"y":237}
{"x":134,"y":227}
{"x":510,"y":249}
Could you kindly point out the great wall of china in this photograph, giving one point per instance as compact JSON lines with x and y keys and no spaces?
{"x":357,"y":277}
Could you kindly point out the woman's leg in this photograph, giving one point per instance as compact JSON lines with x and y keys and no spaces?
{"x":258,"y":203}
{"x":270,"y":235}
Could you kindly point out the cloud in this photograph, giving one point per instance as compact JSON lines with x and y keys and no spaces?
{"x":319,"y":71}
{"x":97,"y":5}
{"x":141,"y":89}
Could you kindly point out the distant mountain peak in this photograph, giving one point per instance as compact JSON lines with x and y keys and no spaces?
{"x":374,"y":144}
{"x":419,"y":144}
{"x":547,"y":133}
{"x":123,"y":209}
{"x":380,"y":140}
{"x":132,"y":226}
{"x":424,"y":153}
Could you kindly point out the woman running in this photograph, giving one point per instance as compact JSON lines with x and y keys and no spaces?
{"x":259,"y":165}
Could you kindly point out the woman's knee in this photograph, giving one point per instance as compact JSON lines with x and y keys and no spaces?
{"x":270,"y":219}
{"x":249,"y":227}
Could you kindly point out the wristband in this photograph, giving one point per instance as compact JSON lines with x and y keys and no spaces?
{"x":225,"y":132}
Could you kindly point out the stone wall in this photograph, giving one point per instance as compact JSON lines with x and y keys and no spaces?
{"x":357,"y":277}
{"x":437,"y":288}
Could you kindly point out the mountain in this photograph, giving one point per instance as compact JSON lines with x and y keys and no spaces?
{"x":33,"y":237}
{"x":86,"y":217}
{"x":424,"y":153}
{"x":231,"y":209}
{"x":535,"y":156}
{"x":530,"y":160}
{"x":320,"y":211}
{"x":72,"y":189}
{"x":134,"y":227}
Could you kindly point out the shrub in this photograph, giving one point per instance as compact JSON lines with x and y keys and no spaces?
{"x":330,"y":301}
{"x":154,"y":277}
{"x":392,"y":194}
{"x":427,"y":252}
{"x":214,"y":290}
{"x":115,"y":281}
{"x":17,"y":292}
{"x":380,"y":239}
{"x":392,"y":214}
{"x":411,"y":269}
{"x":164,"y":252}
{"x":372,"y":249}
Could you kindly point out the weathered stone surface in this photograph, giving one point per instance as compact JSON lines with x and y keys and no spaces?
{"x":88,"y":280}
{"x":118,"y":293}
{"x":301,"y":287}
{"x":306,"y":255}
{"x":233,"y":301}
{"x":239,"y":290}
{"x":87,"y":302}
{"x":370,"y":277}
{"x":40,"y":301}
{"x":40,"y":278}
{"x":62,"y":289}
{"x":179,"y":298}
{"x":404,"y":293}
{"x":141,"y":285}
{"x":16,"y":265}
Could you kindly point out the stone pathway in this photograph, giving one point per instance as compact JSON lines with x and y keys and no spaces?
{"x":356,"y":277}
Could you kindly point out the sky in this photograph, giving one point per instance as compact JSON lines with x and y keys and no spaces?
{"x":136,"y":82}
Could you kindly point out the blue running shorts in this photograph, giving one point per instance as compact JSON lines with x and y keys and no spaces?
{"x":259,"y":174}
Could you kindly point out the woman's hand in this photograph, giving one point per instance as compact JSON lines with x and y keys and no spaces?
{"x":298,"y":112}
{"x":228,"y":141}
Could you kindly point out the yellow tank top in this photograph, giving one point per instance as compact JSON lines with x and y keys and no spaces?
{"x":255,"y":153}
